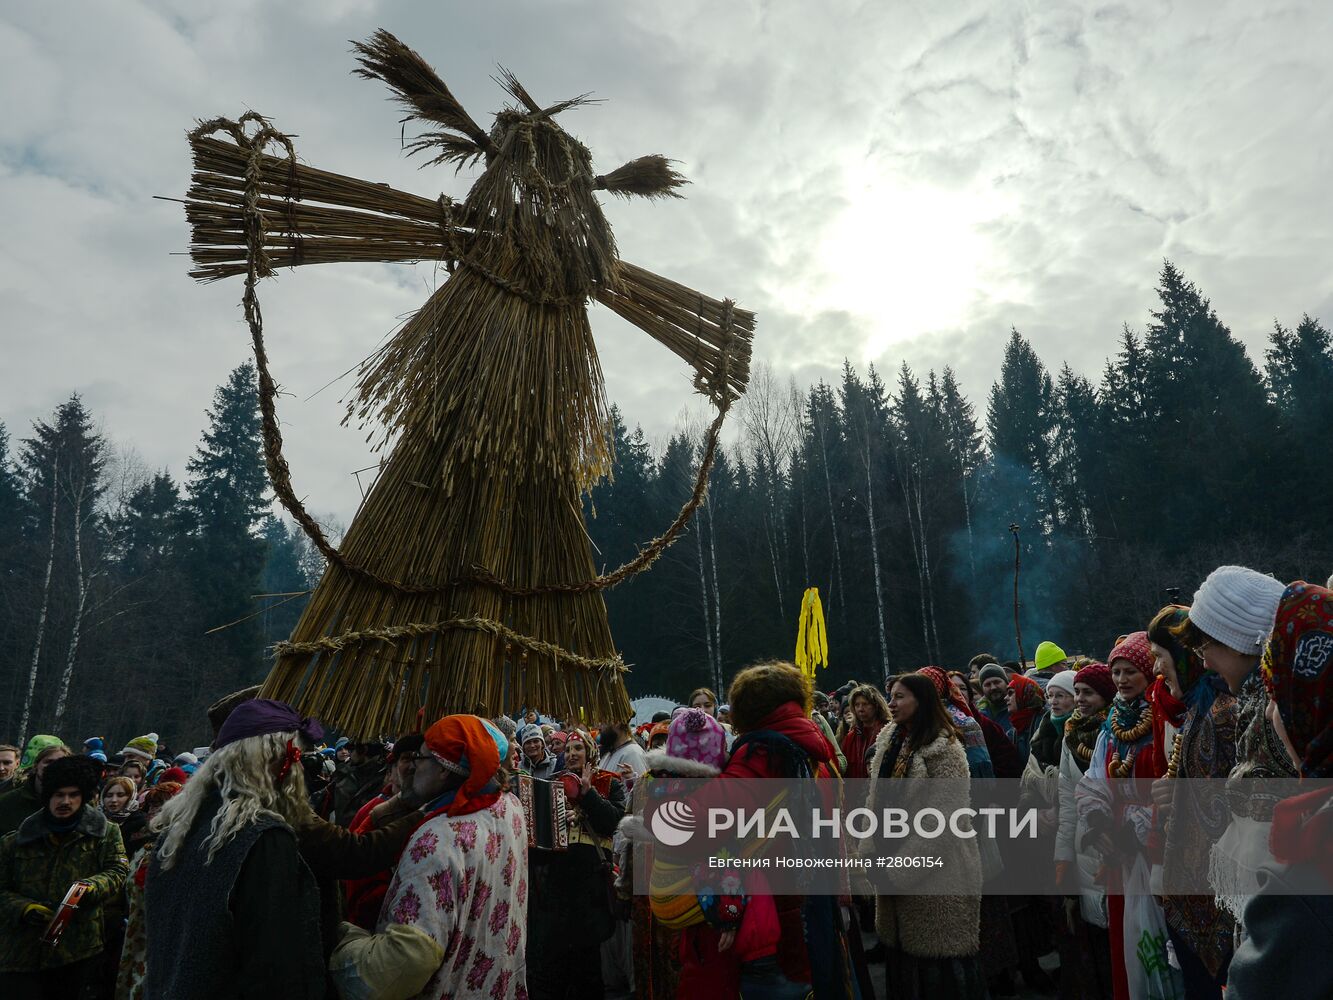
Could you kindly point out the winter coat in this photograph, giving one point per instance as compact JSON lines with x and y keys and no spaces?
{"x":1069,"y":832}
{"x":37,"y":866}
{"x":998,"y":714}
{"x":857,"y":745}
{"x":1003,"y":755}
{"x":353,"y":786}
{"x":18,"y":804}
{"x":569,"y":904}
{"x":545,"y":769}
{"x":760,"y":756}
{"x":242,"y":926}
{"x":932,"y":926}
{"x":333,"y":853}
{"x":1286,"y":951}
{"x":709,"y":974}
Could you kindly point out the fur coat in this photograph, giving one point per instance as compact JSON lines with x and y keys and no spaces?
{"x":932,"y":926}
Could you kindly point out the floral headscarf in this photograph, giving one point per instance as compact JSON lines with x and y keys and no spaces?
{"x":1296,"y":673}
{"x":1029,"y":699}
{"x":947,"y":693}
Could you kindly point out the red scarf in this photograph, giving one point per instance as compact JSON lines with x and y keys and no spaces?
{"x":1301,"y":832}
{"x":1028,"y":701}
{"x":1165,"y":708}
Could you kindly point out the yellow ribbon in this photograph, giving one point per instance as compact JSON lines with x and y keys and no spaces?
{"x":811,"y":636}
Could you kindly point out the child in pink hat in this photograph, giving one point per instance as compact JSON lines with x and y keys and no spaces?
{"x":696,"y":737}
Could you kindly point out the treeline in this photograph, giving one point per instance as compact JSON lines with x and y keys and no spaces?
{"x":113,"y":576}
{"x":894,"y":496}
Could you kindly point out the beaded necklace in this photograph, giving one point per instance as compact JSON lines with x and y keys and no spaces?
{"x":1137,"y":729}
{"x":1123,"y":768}
{"x":1081,"y":734}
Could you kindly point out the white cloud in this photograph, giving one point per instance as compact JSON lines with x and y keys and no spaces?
{"x":879,"y":181}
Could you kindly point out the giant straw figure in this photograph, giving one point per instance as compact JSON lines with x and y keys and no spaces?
{"x":466,"y":580}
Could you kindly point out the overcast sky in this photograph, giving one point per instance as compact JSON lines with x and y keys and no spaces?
{"x":887,"y":181}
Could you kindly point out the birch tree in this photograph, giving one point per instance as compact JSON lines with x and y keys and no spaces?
{"x":46,"y":607}
{"x":865,"y":418}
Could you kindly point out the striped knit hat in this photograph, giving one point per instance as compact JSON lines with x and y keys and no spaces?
{"x":142,"y":747}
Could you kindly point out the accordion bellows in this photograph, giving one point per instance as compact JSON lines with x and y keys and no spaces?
{"x":547,"y":809}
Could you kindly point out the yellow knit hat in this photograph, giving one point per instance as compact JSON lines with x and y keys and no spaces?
{"x":1049,"y":654}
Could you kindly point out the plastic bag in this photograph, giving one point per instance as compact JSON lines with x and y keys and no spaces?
{"x":1147,"y":953}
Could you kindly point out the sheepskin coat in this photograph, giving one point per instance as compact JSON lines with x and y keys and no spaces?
{"x":932,"y":926}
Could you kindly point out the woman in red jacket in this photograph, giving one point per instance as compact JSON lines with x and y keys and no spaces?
{"x":869,"y":714}
{"x":775,"y":738}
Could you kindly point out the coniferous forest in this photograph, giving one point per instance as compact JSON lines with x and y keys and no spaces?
{"x":892,"y":492}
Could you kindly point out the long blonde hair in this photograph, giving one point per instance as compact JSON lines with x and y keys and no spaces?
{"x":243,"y":775}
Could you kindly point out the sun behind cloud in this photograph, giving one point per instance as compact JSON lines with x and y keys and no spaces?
{"x":909,"y":256}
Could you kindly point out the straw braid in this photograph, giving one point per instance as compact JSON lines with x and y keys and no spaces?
{"x":456,"y":256}
{"x":336,"y":643}
{"x":258,"y":266}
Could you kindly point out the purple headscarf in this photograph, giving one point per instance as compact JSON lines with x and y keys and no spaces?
{"x":261,"y":716}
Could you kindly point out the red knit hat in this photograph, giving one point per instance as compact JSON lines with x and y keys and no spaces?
{"x":1098,"y":677}
{"x":176,"y":774}
{"x":1137,"y":649}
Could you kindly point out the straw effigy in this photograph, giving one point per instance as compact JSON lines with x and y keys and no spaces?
{"x":466,"y":580}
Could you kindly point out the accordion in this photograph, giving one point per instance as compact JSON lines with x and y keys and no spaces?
{"x":547,"y":812}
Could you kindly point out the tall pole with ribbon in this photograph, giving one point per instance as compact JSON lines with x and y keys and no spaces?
{"x":1018,"y":629}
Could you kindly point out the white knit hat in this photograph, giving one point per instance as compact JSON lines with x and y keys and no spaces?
{"x":1237,"y":607}
{"x":1063,"y":681}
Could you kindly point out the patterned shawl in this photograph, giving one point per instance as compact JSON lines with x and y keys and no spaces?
{"x":1029,"y":699}
{"x":1297,"y":677}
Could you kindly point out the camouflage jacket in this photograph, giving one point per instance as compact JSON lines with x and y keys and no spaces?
{"x":38,"y":866}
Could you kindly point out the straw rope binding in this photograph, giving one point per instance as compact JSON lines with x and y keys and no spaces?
{"x":336,"y":643}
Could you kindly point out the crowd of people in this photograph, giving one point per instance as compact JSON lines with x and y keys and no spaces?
{"x":278,"y":863}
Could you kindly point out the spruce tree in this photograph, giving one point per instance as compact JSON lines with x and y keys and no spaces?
{"x":1300,"y":372}
{"x":1020,"y":418}
{"x":920,"y":458}
{"x":824,"y":464}
{"x":227,"y":500}
{"x":1074,"y":450}
{"x":866,"y":417}
{"x":1214,"y":426}
{"x":12,"y":512}
{"x":284,"y":577}
{"x":152,"y":527}
{"x":967,"y":454}
{"x":14,"y":580}
{"x":619,"y":519}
